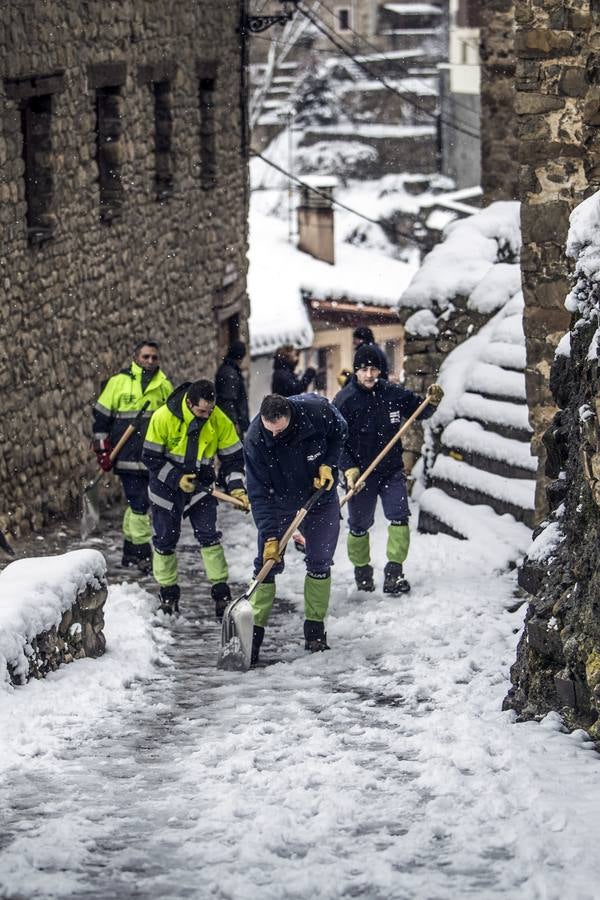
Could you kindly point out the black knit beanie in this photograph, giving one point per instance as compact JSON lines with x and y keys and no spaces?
{"x":366,"y":355}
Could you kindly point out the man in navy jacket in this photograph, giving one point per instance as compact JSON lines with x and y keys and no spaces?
{"x":374,"y":410}
{"x":292,"y":447}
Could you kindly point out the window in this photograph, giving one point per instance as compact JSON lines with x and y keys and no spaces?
{"x":208,"y":153}
{"x":163,"y":134}
{"x":343,"y":19}
{"x":108,"y":152}
{"x":34,"y":98}
{"x":36,"y":117}
{"x":106,"y":79}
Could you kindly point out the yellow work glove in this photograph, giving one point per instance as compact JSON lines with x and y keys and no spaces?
{"x":351,"y":476}
{"x":344,"y":377}
{"x":324,"y":478}
{"x":435,"y":392}
{"x":240,"y":494}
{"x":187,"y":483}
{"x":271,"y":550}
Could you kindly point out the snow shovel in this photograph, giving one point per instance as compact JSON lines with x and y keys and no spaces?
{"x":238,"y":622}
{"x":402,"y":430}
{"x":90,"y":507}
{"x":219,"y":495}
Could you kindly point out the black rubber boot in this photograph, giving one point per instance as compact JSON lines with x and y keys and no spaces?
{"x":258,"y":634}
{"x":315,"y":637}
{"x":394,"y":582}
{"x":138,"y":555}
{"x":222,"y":596}
{"x":363,"y":575}
{"x":169,"y":599}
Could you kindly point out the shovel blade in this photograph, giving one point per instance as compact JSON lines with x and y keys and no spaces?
{"x":235,"y":653}
{"x":90,"y":511}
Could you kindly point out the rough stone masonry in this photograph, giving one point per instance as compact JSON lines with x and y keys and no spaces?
{"x":557,"y":45}
{"x":123,"y":210}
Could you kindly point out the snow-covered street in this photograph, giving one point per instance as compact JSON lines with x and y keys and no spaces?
{"x":382,"y":769}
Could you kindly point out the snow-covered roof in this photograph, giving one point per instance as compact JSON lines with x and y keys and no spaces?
{"x":413,"y":9}
{"x":280,"y":274}
{"x":374,"y":130}
{"x":466,"y":262}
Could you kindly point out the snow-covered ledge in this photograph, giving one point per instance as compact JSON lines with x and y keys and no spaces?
{"x":51,"y":612}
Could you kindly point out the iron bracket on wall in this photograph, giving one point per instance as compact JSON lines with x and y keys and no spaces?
{"x":256,"y":24}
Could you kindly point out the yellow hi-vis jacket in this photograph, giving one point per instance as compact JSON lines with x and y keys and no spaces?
{"x":122,"y":397}
{"x":177,"y":443}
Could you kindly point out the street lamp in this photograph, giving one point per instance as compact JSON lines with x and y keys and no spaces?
{"x":256,"y":24}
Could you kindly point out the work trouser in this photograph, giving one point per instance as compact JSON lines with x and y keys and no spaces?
{"x":136,"y":521}
{"x":321,"y":529}
{"x":167,"y":529}
{"x":391,"y":488}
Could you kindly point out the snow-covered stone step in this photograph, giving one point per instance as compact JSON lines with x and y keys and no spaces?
{"x":494,"y":381}
{"x":439,"y":512}
{"x":515,"y":496}
{"x":488,"y":450}
{"x":508,"y":419}
{"x":508,"y":356}
{"x":510,"y":330}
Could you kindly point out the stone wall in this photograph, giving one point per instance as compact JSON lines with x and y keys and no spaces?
{"x":424,"y":355}
{"x":78,"y":634}
{"x":144,"y":235}
{"x":558,"y":658}
{"x":558,"y":109}
{"x":52,"y":612}
{"x":499,"y":142}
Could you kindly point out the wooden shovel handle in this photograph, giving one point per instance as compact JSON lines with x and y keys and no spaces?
{"x":402,"y":430}
{"x":284,"y":541}
{"x":227,"y":498}
{"x":131,"y":429}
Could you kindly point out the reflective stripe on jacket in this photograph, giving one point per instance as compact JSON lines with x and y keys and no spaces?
{"x":373,"y":417}
{"x":121,"y":399}
{"x":177,"y":443}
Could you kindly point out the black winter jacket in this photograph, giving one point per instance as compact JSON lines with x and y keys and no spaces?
{"x":280,"y":471}
{"x":285,"y":382}
{"x":231,"y":394}
{"x":373,"y":419}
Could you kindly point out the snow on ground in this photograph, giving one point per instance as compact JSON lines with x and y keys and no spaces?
{"x":35,"y":719}
{"x":384,"y":768}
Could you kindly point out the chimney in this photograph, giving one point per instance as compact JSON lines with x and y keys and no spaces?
{"x":315,"y":218}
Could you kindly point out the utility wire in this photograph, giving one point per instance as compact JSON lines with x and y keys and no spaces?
{"x":388,"y":59}
{"x":404,"y":234}
{"x":435,"y":116}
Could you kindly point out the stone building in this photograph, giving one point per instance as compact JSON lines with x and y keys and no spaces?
{"x":558,"y":108}
{"x":499,"y":139}
{"x":558,"y":104}
{"x":123,"y":213}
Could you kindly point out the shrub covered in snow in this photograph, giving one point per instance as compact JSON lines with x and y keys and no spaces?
{"x":341,"y":158}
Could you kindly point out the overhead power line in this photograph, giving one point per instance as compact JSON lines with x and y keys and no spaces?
{"x":435,"y":116}
{"x":315,"y":190}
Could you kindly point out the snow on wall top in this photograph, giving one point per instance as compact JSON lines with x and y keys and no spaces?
{"x":34,"y":594}
{"x":467,"y":262}
{"x":583,"y":242}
